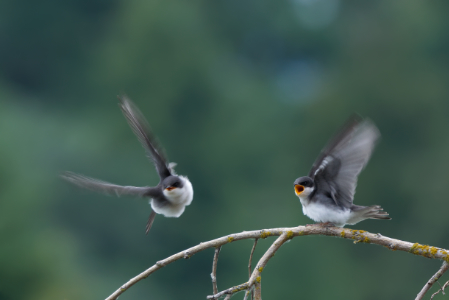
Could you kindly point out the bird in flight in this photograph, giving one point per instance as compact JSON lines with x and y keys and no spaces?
{"x":173,"y":192}
{"x":327,"y":193}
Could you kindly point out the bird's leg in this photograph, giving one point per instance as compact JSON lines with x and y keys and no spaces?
{"x":323,"y":224}
{"x":327,"y":224}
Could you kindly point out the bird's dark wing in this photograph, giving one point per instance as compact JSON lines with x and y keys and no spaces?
{"x":341,"y":137}
{"x":106,"y":187}
{"x":150,"y":222}
{"x":339,"y":164}
{"x":141,"y":129}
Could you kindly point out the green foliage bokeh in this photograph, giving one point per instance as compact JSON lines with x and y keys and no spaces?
{"x":243,"y":95}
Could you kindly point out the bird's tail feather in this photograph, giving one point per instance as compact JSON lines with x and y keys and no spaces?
{"x":373,"y":212}
{"x":360,"y":213}
{"x":150,"y":221}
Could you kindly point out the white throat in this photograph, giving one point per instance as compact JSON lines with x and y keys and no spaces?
{"x":304,"y":196}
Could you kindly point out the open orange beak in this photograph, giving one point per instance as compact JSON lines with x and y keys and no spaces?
{"x":299,"y":189}
{"x":170,"y":188}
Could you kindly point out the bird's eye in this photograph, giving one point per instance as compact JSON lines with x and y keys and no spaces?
{"x":176,"y":184}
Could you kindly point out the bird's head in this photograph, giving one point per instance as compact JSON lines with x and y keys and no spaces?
{"x":172,"y":183}
{"x":303,"y":186}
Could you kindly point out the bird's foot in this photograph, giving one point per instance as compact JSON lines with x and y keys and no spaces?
{"x":326,"y":224}
{"x":322,"y":224}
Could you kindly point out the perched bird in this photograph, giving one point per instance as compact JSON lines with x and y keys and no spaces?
{"x":169,"y":197}
{"x":327,"y":193}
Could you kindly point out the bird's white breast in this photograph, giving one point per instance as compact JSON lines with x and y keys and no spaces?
{"x":322,"y":213}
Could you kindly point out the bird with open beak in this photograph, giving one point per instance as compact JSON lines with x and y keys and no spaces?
{"x":169,"y":197}
{"x":327,"y":193}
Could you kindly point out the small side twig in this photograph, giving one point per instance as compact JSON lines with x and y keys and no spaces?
{"x":249,"y":264}
{"x":214,"y":270}
{"x":440,"y":290}
{"x":229,"y":292}
{"x":247,"y":293}
{"x":432,"y":280}
{"x":251,"y":257}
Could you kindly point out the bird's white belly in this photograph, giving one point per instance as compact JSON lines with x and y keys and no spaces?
{"x":171,"y":211}
{"x":323,"y":213}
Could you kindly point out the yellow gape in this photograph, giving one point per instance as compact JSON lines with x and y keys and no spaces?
{"x":299,"y":189}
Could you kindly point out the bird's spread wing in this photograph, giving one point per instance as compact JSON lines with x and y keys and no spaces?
{"x":141,"y":129}
{"x":106,"y":187}
{"x":340,"y":163}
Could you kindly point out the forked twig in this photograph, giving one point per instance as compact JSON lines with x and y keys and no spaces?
{"x":432,"y":280}
{"x":440,"y":290}
{"x":256,"y":274}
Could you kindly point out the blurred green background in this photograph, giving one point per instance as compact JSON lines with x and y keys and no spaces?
{"x":243,"y":95}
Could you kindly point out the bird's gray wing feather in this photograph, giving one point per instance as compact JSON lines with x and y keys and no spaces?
{"x":141,"y":129}
{"x":106,"y":187}
{"x":342,"y":161}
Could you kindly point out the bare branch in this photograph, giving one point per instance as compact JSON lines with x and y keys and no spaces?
{"x":432,"y":280}
{"x":214,"y":270}
{"x":440,"y":290}
{"x":358,"y":236}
